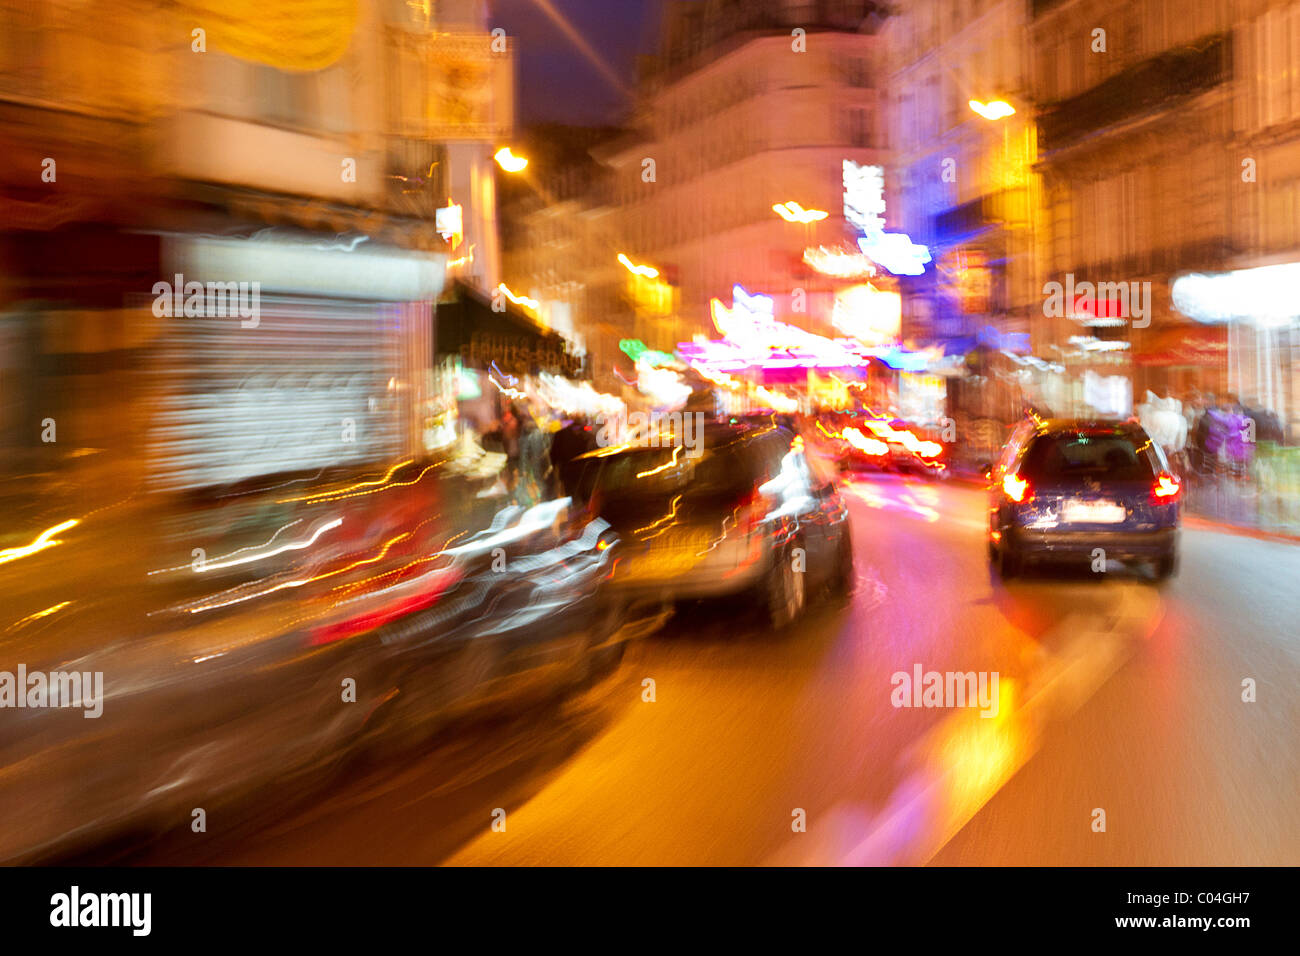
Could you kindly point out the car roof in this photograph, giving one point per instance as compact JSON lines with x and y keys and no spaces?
{"x":715,"y":435}
{"x":1054,"y":426}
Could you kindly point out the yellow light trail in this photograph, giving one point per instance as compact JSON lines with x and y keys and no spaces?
{"x":664,"y":467}
{"x":648,"y":271}
{"x":316,"y":577}
{"x":344,"y":492}
{"x":38,"y":615}
{"x":523,"y":300}
{"x":666,"y":518}
{"x":42,"y":542}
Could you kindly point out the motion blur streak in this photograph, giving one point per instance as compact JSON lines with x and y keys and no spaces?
{"x":415,"y":408}
{"x":44,"y":540}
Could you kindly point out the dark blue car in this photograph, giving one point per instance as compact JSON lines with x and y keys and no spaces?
{"x":1064,"y":488}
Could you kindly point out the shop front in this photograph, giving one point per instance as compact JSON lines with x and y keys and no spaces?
{"x":1257,"y":313}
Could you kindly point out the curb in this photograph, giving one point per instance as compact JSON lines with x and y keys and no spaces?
{"x":1241,"y":531}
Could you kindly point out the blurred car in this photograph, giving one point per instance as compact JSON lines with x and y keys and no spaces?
{"x":874,"y":442}
{"x":1063,"y":488}
{"x":287,"y":655}
{"x":750,"y":513}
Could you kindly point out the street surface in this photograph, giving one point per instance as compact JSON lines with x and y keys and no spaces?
{"x":1114,"y":693}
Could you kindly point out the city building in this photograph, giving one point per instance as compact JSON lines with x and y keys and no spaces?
{"x":962,"y":180}
{"x":331,"y":169}
{"x":746,"y":107}
{"x":561,"y":243}
{"x":1140,"y":183}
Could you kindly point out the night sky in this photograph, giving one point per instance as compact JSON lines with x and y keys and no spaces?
{"x":555,"y":82}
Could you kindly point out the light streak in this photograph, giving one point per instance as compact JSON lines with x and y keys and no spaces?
{"x":44,"y":540}
{"x":531,"y":304}
{"x":664,"y":467}
{"x":291,"y":546}
{"x":648,"y":271}
{"x":299,"y":582}
{"x":793,"y":212}
{"x":322,"y":495}
{"x":38,"y":615}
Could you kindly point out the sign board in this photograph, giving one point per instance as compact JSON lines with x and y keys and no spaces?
{"x":455,"y":88}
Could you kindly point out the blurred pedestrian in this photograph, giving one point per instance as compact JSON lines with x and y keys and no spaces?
{"x":534,"y":466}
{"x":576,"y":438}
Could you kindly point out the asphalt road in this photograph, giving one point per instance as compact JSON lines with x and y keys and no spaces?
{"x":1114,"y":694}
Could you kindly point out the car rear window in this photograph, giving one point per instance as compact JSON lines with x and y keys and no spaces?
{"x":1097,"y":455}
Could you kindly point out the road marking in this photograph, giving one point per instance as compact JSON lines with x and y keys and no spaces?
{"x":953,"y":770}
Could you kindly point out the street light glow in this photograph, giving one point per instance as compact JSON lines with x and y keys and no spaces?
{"x":530,"y":304}
{"x":995,"y":110}
{"x":647,"y":271}
{"x":793,"y":212}
{"x":509,"y":161}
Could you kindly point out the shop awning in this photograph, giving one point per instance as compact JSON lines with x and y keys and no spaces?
{"x":468,"y":325}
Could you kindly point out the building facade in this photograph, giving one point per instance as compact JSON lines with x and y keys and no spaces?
{"x":304,"y":166}
{"x":965,"y":183}
{"x":747,"y":106}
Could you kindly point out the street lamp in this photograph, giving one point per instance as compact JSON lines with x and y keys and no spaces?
{"x":994,"y":110}
{"x":509,"y":161}
{"x":793,"y":212}
{"x":648,"y":271}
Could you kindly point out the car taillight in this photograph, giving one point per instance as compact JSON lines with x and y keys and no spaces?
{"x":1017,"y":489}
{"x":750,"y":512}
{"x":437,"y":584}
{"x":1166,"y":489}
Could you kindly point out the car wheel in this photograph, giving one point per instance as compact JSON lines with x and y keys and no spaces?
{"x":842,"y":575}
{"x":1010,"y":563}
{"x":605,"y":655}
{"x":1166,"y":566}
{"x":786,"y":591}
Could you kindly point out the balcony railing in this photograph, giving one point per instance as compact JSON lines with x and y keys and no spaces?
{"x":1152,"y":84}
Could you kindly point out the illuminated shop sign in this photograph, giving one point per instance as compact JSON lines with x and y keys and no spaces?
{"x":864,"y":208}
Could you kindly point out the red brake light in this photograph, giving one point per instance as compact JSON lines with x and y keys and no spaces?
{"x":1017,"y":489}
{"x":750,"y":512}
{"x":438,"y":584}
{"x":1166,"y":489}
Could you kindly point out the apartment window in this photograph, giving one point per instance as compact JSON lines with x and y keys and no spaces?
{"x":798,"y":11}
{"x":1278,"y":78}
{"x":1282,"y":216}
{"x":857,"y":126}
{"x":855,"y":71}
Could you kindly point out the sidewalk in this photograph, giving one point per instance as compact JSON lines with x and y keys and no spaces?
{"x":1241,"y":510}
{"x":1244,"y":507}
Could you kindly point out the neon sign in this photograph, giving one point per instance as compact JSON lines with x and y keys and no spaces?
{"x":864,"y":208}
{"x":838,"y":263}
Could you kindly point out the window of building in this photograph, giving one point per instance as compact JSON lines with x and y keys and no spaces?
{"x":857,"y":126}
{"x":856,"y":73}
